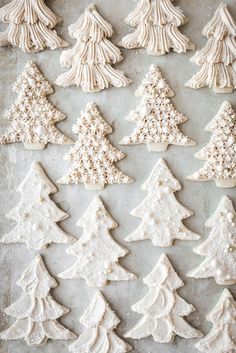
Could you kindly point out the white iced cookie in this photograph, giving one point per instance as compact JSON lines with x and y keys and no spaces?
{"x":36,"y":214}
{"x":160,"y":211}
{"x":91,"y":60}
{"x":36,"y":312}
{"x":156,"y":23}
{"x":221,"y":338}
{"x":162,"y":308}
{"x":92,"y":155}
{"x":32,"y":117}
{"x":30,"y":26}
{"x":156,"y":118}
{"x":219,"y":153}
{"x":99,"y":321}
{"x":219,"y":249}
{"x":217,"y":59}
{"x":96,"y":251}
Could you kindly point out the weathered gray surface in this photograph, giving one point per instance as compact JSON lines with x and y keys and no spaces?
{"x":200,"y":106}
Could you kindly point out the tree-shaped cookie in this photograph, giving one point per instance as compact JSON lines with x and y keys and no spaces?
{"x":160,"y":211}
{"x":162,"y":308}
{"x":91,"y":60}
{"x":36,"y":214}
{"x":30,"y":26}
{"x":218,"y":58}
{"x":156,"y":118}
{"x":221,"y":338}
{"x":219,"y":153}
{"x":36,"y":312}
{"x":32,"y":116}
{"x":92,"y":156}
{"x":96,"y":251}
{"x":219,"y":249}
{"x":156,"y":23}
{"x":99,"y":336}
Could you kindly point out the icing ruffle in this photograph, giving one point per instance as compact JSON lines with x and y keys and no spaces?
{"x":30,"y":26}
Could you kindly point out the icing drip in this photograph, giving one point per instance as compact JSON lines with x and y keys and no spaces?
{"x":219,"y":248}
{"x":162,"y":308}
{"x":36,"y":215}
{"x":36,"y":312}
{"x":91,"y":59}
{"x":156,"y":117}
{"x":219,"y":153}
{"x":96,"y":251}
{"x":157,"y":23}
{"x":218,"y":58}
{"x":99,"y":321}
{"x":32,"y":116}
{"x":160,"y":211}
{"x":30,"y":26}
{"x":92,"y":156}
{"x":221,"y":338}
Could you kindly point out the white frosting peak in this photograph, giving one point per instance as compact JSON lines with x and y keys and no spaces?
{"x":30,"y":26}
{"x":32,"y":117}
{"x":96,"y":251}
{"x":92,"y":156}
{"x":221,"y":338}
{"x":162,"y":308}
{"x":91,"y":59}
{"x":160,"y":211}
{"x":157,"y":23}
{"x":217,"y":59}
{"x":219,"y":248}
{"x":156,"y":117}
{"x":219,"y":153}
{"x":36,"y":214}
{"x":36,"y":312}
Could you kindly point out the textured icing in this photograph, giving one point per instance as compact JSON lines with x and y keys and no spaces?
{"x":156,"y":117}
{"x":221,"y":338}
{"x":160,"y":211}
{"x":92,"y":156}
{"x":96,"y":251}
{"x":36,"y":312}
{"x":36,"y":214}
{"x":157,"y":23}
{"x":218,"y":58}
{"x":30,"y":26}
{"x":162,"y":308}
{"x":32,"y":116}
{"x":90,"y":60}
{"x":99,"y":321}
{"x":219,"y":153}
{"x":219,"y":248}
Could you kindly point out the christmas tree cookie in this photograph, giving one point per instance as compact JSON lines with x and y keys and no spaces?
{"x":162,"y":308}
{"x":156,"y":118}
{"x":218,"y":58}
{"x":160,"y":211}
{"x":30,"y":26}
{"x":156,"y":23}
{"x":219,"y":153}
{"x":36,"y":312}
{"x":36,"y":214}
{"x":219,"y":248}
{"x":91,"y":60}
{"x":99,"y":336}
{"x":221,"y":338}
{"x":96,"y":252}
{"x":92,"y":155}
{"x":32,"y":116}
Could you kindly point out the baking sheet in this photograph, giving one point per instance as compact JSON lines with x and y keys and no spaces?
{"x":200,"y":106}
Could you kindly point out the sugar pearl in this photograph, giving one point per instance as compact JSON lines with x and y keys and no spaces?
{"x":105,"y":148}
{"x":40,"y":130}
{"x":230,"y":216}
